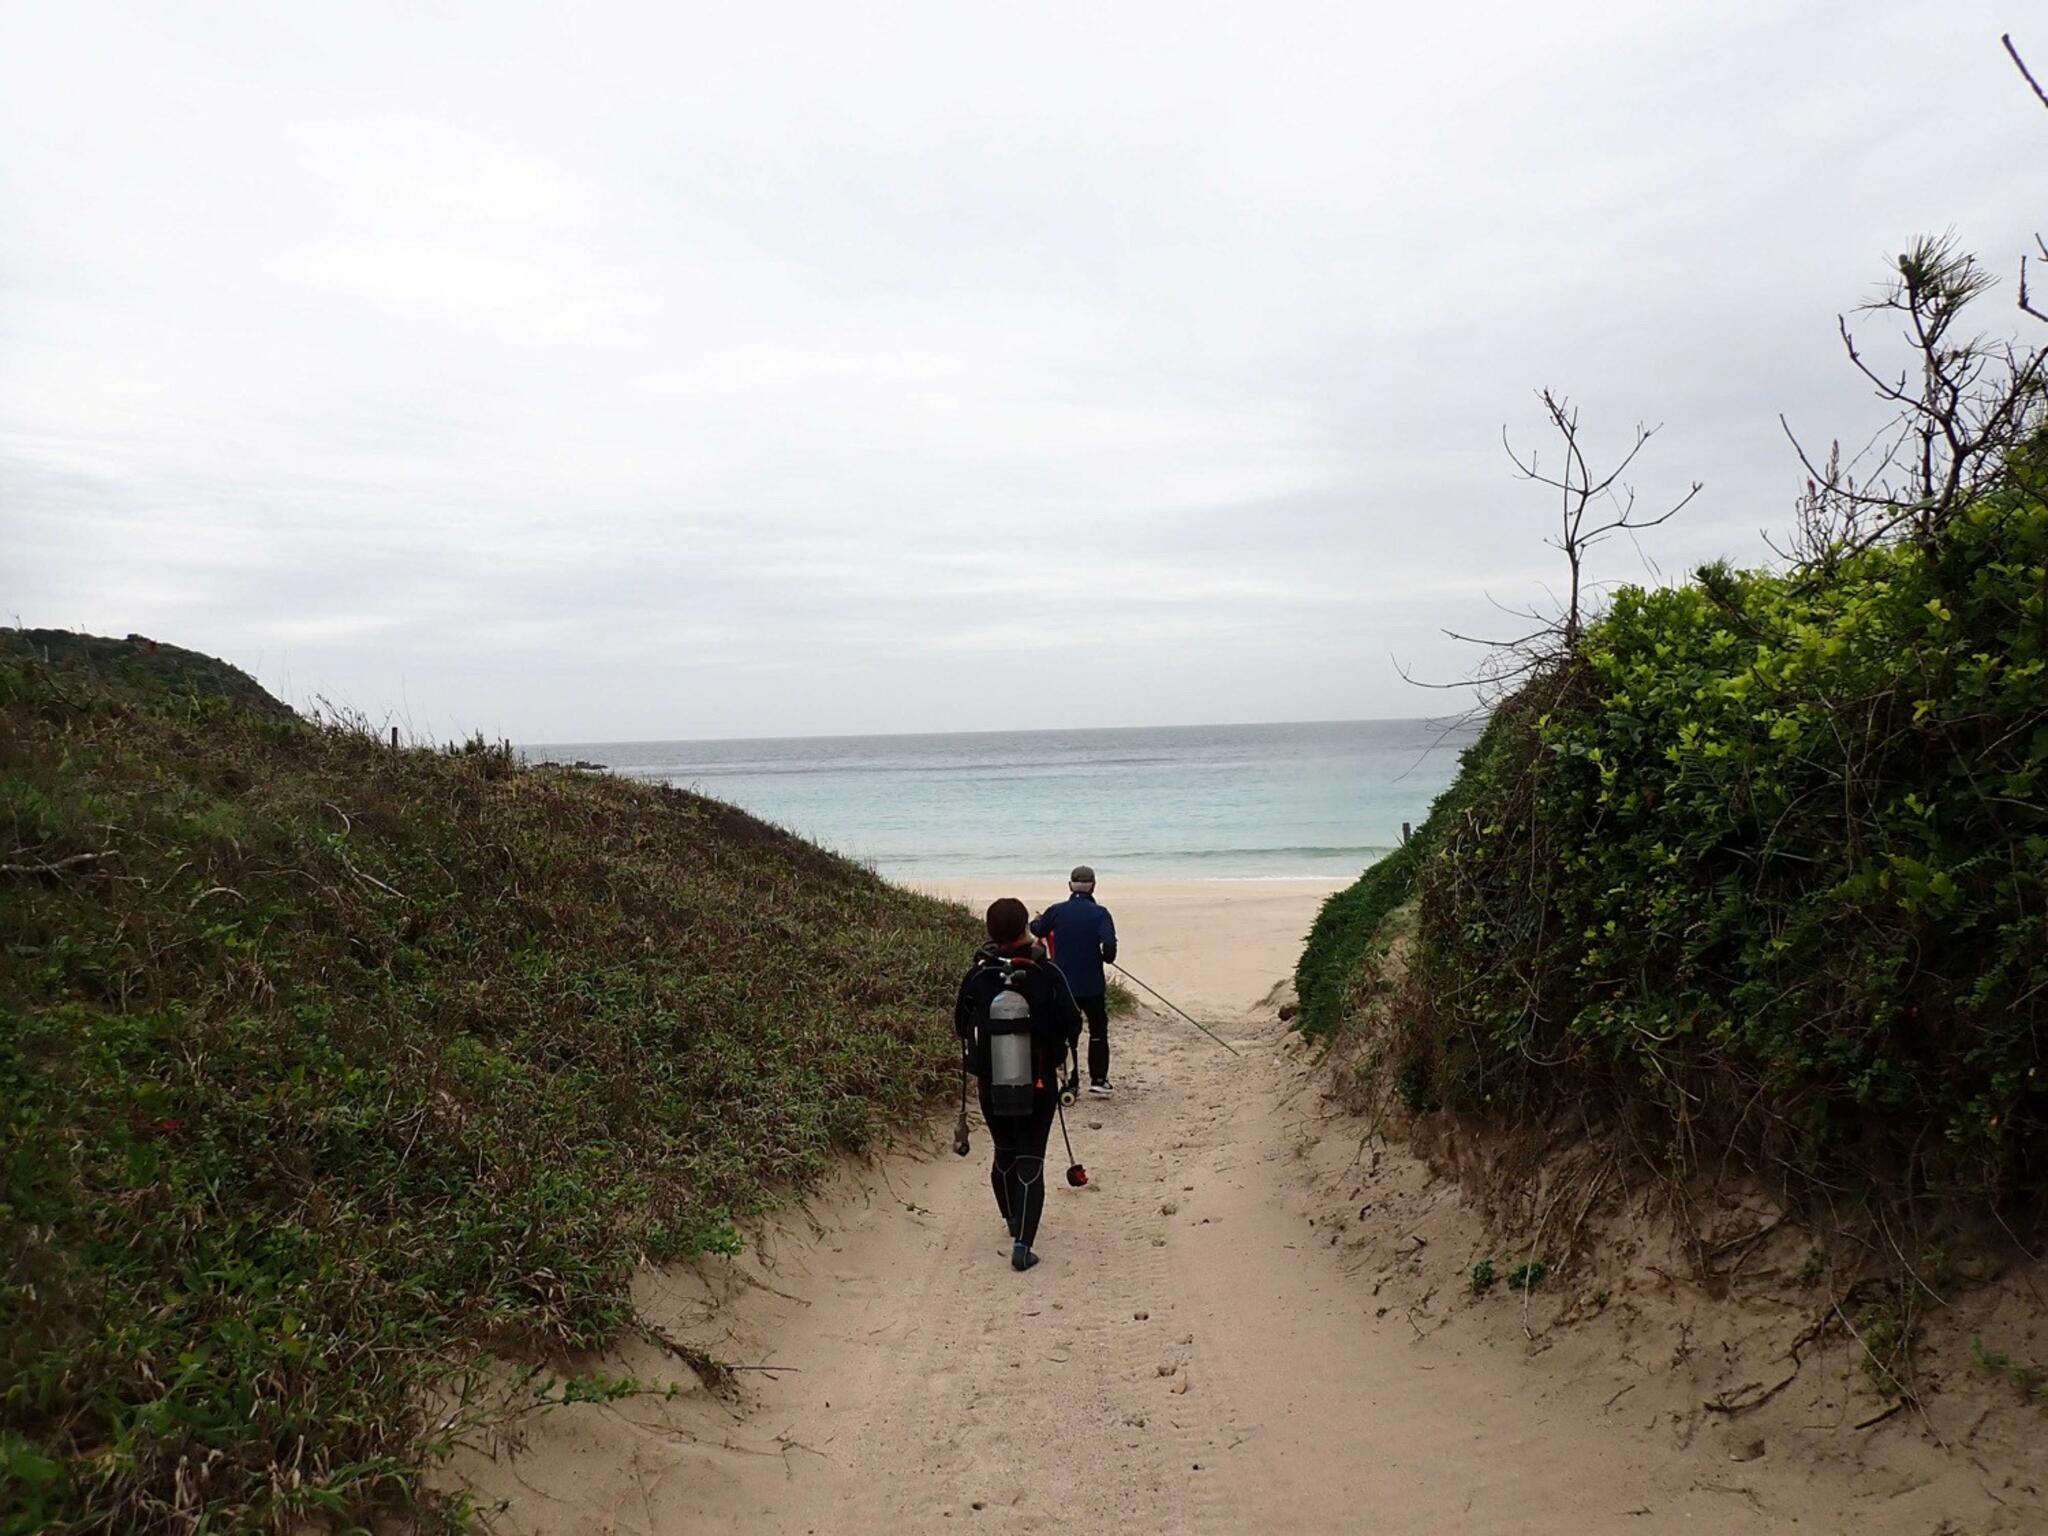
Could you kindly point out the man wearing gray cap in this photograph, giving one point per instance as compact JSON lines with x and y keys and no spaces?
{"x":1082,"y":940}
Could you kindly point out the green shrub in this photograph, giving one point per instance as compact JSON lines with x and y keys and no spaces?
{"x":1769,"y":861}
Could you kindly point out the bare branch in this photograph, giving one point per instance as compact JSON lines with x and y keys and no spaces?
{"x":1592,"y":506}
{"x":2025,"y":73}
{"x":1500,"y":645}
{"x":55,"y":866}
{"x":1963,"y":405}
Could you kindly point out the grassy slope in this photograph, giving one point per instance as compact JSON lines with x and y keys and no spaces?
{"x":1347,"y":929}
{"x":139,"y":669}
{"x":322,"y":1066}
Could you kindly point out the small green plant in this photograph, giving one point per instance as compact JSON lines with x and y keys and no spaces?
{"x":724,"y":1239}
{"x":1942,"y":1271}
{"x":2032,"y":1380}
{"x":1882,"y":1333}
{"x":1483,"y":1277}
{"x":592,"y":1387}
{"x":1526,"y":1277}
{"x":36,"y":1491}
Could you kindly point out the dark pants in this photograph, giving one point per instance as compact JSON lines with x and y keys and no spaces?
{"x":1096,"y":1010}
{"x":1019,"y":1172}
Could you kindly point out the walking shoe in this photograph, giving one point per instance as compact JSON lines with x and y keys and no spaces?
{"x":1101,"y":1090}
{"x":1021,"y":1258}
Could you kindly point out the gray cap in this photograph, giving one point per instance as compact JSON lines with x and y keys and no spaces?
{"x":1082,"y":875}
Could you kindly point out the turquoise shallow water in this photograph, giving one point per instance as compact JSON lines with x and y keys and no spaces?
{"x":1224,"y":801}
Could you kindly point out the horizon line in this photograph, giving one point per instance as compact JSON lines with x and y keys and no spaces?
{"x":1449,"y":721}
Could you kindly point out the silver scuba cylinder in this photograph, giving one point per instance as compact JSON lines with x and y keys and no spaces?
{"x":1011,"y":1081}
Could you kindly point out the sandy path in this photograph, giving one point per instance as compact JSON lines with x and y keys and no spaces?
{"x":1196,"y":1352}
{"x":1189,"y":1356}
{"x":1044,"y":1400}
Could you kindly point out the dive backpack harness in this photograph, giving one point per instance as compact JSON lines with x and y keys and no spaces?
{"x":1004,"y":1052}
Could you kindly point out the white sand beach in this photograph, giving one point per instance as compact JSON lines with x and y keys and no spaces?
{"x":1207,"y":944}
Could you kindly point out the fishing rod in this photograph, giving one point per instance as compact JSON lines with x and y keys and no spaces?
{"x":1176,"y":1007}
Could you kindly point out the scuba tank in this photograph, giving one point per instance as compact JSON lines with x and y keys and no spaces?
{"x":1011,"y":1078}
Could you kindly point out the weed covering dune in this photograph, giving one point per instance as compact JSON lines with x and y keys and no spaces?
{"x":324,"y":1067}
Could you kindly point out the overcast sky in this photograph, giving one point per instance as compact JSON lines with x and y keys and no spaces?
{"x":595,"y":372}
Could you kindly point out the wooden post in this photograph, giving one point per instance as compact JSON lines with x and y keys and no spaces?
{"x":394,"y":747}
{"x":1404,"y":834}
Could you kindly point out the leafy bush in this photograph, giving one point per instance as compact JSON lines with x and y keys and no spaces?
{"x":324,"y":1067}
{"x":1769,"y":859}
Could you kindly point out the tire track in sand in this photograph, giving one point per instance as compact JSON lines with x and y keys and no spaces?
{"x":1070,"y":1398}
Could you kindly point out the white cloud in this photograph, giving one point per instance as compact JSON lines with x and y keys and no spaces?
{"x":655,"y":370}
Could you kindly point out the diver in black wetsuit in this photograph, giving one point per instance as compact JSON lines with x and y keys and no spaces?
{"x":1012,"y":962}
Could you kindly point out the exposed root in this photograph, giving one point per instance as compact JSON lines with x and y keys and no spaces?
{"x":718,"y":1376}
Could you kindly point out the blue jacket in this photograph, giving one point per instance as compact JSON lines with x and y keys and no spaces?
{"x":1083,"y":938}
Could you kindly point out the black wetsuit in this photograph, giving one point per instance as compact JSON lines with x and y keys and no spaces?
{"x":1018,"y":1173}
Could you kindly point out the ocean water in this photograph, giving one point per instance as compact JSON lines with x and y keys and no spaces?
{"x":1221,"y":801}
